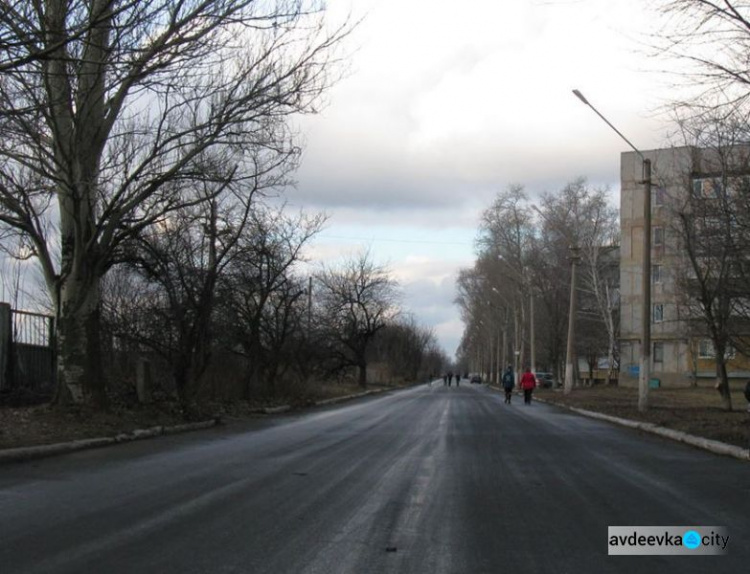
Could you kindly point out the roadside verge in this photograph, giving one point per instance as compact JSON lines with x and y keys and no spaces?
{"x":31,"y":452}
{"x":714,"y":446}
{"x":19,"y":454}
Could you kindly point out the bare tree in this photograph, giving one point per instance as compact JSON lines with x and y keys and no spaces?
{"x":180,"y":263}
{"x":582,"y":216}
{"x":710,"y":41}
{"x":403,"y":346}
{"x":506,"y":241}
{"x":522,"y":256}
{"x":260,"y":294}
{"x":112,"y":111}
{"x":357,"y":300}
{"x":711,"y":223}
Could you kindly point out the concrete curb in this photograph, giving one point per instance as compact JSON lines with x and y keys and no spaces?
{"x":710,"y":445}
{"x":276,"y":410}
{"x":41,"y":451}
{"x":286,"y":408}
{"x":349,"y":397}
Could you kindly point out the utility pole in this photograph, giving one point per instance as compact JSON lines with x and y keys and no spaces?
{"x":644,"y":371}
{"x":571,"y":362}
{"x":531,"y":329}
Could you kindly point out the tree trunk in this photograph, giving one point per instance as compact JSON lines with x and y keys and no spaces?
{"x":363,"y":375}
{"x":79,"y":364}
{"x":254,"y":352}
{"x":722,"y":384}
{"x":182,"y":378}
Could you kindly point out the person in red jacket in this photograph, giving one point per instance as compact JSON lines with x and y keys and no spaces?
{"x":528,"y":382}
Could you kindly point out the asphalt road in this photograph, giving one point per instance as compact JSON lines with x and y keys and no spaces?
{"x":427,"y":480}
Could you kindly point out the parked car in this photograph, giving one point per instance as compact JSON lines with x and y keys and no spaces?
{"x":546,"y":381}
{"x":476,"y":379}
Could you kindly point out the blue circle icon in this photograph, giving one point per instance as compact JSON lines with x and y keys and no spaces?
{"x":691,"y":539}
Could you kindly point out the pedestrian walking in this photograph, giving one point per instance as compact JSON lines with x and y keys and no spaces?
{"x":528,"y":382}
{"x":508,"y":384}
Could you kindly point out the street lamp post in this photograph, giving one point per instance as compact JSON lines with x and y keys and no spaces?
{"x":644,"y":372}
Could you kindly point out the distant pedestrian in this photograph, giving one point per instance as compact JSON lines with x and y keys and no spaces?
{"x":458,"y":379}
{"x":528,"y":382}
{"x":450,"y":378}
{"x":508,"y":384}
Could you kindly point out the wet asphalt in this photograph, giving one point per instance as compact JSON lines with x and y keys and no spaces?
{"x":432,"y":479}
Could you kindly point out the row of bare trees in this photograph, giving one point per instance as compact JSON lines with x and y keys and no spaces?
{"x":221,"y":281}
{"x":119,"y":116}
{"x":515,"y":298}
{"x":139,"y":139}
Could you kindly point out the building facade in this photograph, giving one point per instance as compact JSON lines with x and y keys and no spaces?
{"x":680,"y":354}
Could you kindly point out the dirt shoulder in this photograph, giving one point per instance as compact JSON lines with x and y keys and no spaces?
{"x":695,"y":411}
{"x":46,"y":424}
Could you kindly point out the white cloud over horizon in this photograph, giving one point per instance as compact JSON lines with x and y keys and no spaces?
{"x":445,"y":104}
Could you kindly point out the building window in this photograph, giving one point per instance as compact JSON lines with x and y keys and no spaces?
{"x":656,"y":274}
{"x":697,"y":188}
{"x":706,"y":350}
{"x":658,"y":196}
{"x":658,"y":313}
{"x":658,"y":353}
{"x":658,"y":238}
{"x":707,"y":188}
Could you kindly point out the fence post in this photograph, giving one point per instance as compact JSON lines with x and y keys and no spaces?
{"x":143,"y":380}
{"x":5,"y":345}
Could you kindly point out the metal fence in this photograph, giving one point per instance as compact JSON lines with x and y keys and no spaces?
{"x":27,"y":352}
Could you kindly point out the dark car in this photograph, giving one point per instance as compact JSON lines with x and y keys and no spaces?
{"x":546,"y":381}
{"x":476,"y":379}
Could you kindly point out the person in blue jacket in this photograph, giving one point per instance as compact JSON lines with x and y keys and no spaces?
{"x":508,"y":383}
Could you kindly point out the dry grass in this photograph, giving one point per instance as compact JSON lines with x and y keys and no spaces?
{"x":44,"y":424}
{"x":695,"y":411}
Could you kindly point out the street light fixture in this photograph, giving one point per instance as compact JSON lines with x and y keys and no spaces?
{"x":645,"y":366}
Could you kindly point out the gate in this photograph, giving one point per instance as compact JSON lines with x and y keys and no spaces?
{"x":27,"y":356}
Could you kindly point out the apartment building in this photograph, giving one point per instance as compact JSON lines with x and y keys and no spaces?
{"x":680,"y":354}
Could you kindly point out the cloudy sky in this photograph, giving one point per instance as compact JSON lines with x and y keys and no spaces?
{"x":446,"y":103}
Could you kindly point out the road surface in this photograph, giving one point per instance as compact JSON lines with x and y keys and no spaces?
{"x":427,"y":480}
